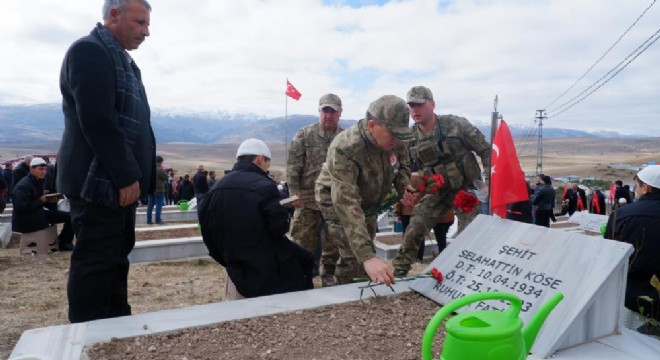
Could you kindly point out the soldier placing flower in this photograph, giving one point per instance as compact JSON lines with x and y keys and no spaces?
{"x":364,"y":162}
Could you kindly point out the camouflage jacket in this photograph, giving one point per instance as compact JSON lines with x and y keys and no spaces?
{"x":454,"y":157}
{"x":358,"y":174}
{"x":306,"y":157}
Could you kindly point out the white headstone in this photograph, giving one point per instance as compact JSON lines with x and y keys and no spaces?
{"x":534,"y":263}
{"x":587,"y":221}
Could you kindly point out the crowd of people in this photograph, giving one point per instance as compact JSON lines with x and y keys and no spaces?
{"x":107,"y":164}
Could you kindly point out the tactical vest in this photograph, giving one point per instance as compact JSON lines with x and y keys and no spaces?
{"x":445,"y":153}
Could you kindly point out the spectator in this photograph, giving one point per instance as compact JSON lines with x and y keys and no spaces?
{"x":8,"y":175}
{"x":157,"y":198}
{"x":570,"y":198}
{"x":186,"y":189}
{"x":200,"y":182}
{"x":581,"y":197}
{"x":620,"y":192}
{"x":107,"y":159}
{"x":638,"y":224}
{"x":21,"y":170}
{"x":598,"y":202}
{"x":212,"y":180}
{"x":544,"y":200}
{"x":169,"y":188}
{"x":244,"y":226}
{"x":4,"y":190}
{"x":30,"y":213}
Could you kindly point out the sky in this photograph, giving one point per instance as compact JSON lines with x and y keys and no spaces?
{"x":235,"y":56}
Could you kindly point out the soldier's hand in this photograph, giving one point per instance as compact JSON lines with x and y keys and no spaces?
{"x":129,"y":195}
{"x":378,"y":271}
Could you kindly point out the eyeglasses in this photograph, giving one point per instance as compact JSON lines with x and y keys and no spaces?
{"x":266,"y":158}
{"x":39,"y":166}
{"x":328,"y":110}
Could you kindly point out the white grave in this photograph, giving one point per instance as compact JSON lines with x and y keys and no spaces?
{"x":535,"y":262}
{"x":587,"y":221}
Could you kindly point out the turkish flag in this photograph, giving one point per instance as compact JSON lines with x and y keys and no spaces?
{"x":292,"y":92}
{"x":507,"y":180}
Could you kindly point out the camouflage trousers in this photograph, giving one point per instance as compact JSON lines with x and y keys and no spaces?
{"x":348,"y":267}
{"x":424,"y":217}
{"x":306,"y":222}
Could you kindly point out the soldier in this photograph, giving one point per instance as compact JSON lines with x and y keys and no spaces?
{"x":306,"y":157}
{"x":363,"y":164}
{"x":443,"y":145}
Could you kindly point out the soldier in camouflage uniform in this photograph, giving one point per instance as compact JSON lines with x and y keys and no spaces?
{"x":364,"y":162}
{"x":443,"y":144}
{"x":306,"y":157}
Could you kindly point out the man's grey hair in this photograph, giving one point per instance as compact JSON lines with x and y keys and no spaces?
{"x":120,"y":4}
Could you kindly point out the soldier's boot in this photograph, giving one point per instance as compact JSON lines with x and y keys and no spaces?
{"x":328,"y":276}
{"x":328,"y":280}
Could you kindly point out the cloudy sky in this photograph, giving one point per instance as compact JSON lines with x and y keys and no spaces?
{"x":235,"y":56}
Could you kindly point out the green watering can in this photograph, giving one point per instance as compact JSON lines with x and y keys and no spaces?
{"x":485,"y":334}
{"x":183,"y":205}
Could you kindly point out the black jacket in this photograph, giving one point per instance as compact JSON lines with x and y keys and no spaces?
{"x":28,"y":215}
{"x":186,"y":190}
{"x":20,"y":171}
{"x":639,"y":224}
{"x":244,"y":226}
{"x":544,"y":199}
{"x":92,"y":126}
{"x":200,"y":182}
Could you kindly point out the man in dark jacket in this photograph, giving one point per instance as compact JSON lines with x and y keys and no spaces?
{"x":639,"y":225}
{"x":106,"y":160}
{"x":244,"y":226}
{"x":29,"y":213}
{"x":186,"y":189}
{"x":544,"y":200}
{"x":200,"y":182}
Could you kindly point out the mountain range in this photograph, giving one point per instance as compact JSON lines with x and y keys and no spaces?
{"x":22,"y":124}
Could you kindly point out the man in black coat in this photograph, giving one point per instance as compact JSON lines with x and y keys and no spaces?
{"x":639,"y":225}
{"x":29,"y":213}
{"x":106,"y":160}
{"x":244,"y":226}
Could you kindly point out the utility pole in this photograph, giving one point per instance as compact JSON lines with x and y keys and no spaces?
{"x":540,"y":115}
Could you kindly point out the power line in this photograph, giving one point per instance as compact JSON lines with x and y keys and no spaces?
{"x":614,"y":72}
{"x":601,"y":58}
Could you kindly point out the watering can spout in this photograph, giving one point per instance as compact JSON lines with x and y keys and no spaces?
{"x":532,"y":329}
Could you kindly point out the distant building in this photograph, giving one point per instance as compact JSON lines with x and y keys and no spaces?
{"x":635,"y":167}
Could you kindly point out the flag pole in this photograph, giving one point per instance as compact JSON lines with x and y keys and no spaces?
{"x":493,"y":128}
{"x":286,"y":126}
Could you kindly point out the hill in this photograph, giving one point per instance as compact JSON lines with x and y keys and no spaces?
{"x":35,"y":123}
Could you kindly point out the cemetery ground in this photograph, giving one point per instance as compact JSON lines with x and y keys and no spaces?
{"x":34,"y":288}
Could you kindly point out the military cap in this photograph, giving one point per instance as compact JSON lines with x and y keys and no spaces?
{"x":419,"y":95}
{"x":393,"y":112}
{"x":330,"y":100}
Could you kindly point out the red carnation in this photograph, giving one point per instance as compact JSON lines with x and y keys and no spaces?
{"x":437,"y":274}
{"x":465,"y":201}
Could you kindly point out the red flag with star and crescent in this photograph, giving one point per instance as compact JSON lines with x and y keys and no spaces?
{"x":292,"y":92}
{"x":508,"y":183}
